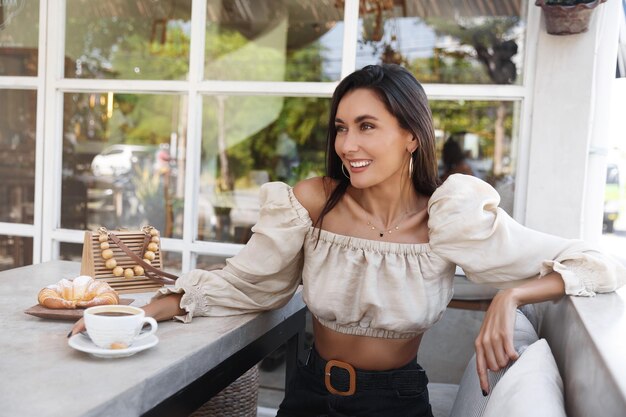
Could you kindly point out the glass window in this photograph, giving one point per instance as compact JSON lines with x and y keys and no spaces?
{"x":123,"y":161}
{"x":209,"y":262}
{"x":127,"y":39}
{"x":71,"y":251}
{"x":17,"y":155}
{"x":19,"y":37}
{"x":172,"y":262}
{"x":15,"y":251}
{"x":271,"y":40}
{"x":451,"y":41}
{"x":250,"y":140}
{"x":479,"y":138}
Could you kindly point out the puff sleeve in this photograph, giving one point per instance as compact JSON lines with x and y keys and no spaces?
{"x":263,"y":275}
{"x":467,"y":228}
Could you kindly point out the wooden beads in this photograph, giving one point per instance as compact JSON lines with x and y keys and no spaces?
{"x":128,"y":272}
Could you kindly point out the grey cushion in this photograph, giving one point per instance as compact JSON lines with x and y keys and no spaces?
{"x":464,"y":289}
{"x":470,"y":401}
{"x":531,"y":313}
{"x":441,"y":398}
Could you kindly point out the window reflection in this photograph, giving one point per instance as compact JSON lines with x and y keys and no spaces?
{"x":248,"y":141}
{"x":19,"y":37}
{"x":123,"y":161}
{"x":172,"y":262}
{"x":17,"y":156}
{"x":209,"y":262}
{"x":15,"y":251}
{"x":479,"y":138}
{"x":273,"y":40}
{"x":71,"y":251}
{"x":128,"y":39}
{"x":450,"y":41}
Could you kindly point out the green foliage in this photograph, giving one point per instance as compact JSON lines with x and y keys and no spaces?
{"x":135,"y":58}
{"x":470,"y":116}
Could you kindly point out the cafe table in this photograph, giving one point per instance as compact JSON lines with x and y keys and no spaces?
{"x":41,"y":375}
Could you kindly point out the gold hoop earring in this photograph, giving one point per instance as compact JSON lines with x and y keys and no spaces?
{"x":343,"y":169}
{"x":410,"y":165}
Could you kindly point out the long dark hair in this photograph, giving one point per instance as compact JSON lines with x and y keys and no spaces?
{"x":404,"y":97}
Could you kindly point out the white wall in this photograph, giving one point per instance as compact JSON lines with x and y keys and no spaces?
{"x":569,"y":128}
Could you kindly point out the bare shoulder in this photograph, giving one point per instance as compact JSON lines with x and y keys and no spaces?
{"x":312,"y":193}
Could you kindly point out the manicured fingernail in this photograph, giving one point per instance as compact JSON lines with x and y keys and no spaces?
{"x":485,"y":393}
{"x":69,"y":334}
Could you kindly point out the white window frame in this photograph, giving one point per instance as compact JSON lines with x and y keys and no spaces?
{"x":51,"y":86}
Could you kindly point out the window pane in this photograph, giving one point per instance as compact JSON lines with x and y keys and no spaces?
{"x":270,"y":40}
{"x":19,"y":37}
{"x":128,"y":39}
{"x":250,"y":140}
{"x":123,"y":161}
{"x":17,"y":155}
{"x":451,"y":41}
{"x":480,"y":136}
{"x":210,"y":261}
{"x":71,"y":251}
{"x":173,"y":262}
{"x":15,"y":251}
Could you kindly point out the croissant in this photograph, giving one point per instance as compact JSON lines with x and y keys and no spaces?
{"x":83,"y":291}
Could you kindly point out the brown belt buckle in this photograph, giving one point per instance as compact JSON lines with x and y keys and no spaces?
{"x":338,"y":364}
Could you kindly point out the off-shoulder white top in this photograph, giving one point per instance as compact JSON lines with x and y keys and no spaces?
{"x":388,"y":290}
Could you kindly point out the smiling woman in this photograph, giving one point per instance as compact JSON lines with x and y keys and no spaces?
{"x":375,"y":247}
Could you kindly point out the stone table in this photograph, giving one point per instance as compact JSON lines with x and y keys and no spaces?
{"x":41,"y":375}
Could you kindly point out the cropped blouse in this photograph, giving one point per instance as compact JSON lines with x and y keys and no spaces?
{"x":388,"y":290}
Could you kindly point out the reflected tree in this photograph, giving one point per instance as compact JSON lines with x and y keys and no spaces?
{"x":493,"y":44}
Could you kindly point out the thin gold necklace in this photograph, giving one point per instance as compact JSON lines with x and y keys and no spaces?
{"x":381,"y":232}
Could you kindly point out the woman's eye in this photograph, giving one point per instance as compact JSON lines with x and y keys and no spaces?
{"x":366,"y":126}
{"x":340,"y":129}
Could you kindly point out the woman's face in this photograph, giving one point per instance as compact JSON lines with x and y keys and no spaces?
{"x":370,"y":142}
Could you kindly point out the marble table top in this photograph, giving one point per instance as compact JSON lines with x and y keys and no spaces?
{"x":42,"y":376}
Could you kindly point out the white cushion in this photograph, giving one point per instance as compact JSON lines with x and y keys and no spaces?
{"x":470,"y":401}
{"x":531,"y":387}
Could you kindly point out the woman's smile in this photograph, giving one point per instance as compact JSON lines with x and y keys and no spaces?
{"x":359,"y":165}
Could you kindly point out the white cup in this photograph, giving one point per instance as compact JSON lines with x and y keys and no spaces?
{"x":117,"y":326}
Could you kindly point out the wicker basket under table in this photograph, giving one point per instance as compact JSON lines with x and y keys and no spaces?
{"x":239,"y":399}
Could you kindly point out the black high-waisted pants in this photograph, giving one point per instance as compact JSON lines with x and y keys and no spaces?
{"x":399,"y":392}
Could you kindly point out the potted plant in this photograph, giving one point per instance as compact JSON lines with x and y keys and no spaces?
{"x":566,"y":17}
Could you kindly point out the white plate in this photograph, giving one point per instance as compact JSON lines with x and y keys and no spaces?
{"x":84,"y":344}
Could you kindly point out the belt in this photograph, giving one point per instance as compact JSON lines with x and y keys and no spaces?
{"x":341,"y":378}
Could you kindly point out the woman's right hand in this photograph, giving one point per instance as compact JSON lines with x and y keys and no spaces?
{"x":161,"y":309}
{"x":165,"y":308}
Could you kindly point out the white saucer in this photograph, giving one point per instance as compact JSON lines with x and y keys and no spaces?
{"x":84,"y":344}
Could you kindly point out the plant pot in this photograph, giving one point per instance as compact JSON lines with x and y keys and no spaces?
{"x":567,"y":20}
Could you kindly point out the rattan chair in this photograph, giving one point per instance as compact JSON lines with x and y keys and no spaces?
{"x":239,"y":399}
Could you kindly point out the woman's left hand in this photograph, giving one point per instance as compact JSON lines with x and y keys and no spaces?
{"x":494,"y":344}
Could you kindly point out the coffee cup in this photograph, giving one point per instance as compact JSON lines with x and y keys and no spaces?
{"x":117,"y":326}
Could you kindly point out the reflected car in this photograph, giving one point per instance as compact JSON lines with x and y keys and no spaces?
{"x":612,"y":197}
{"x":119,"y":159}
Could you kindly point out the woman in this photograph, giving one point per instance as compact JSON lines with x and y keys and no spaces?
{"x":375,"y":243}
